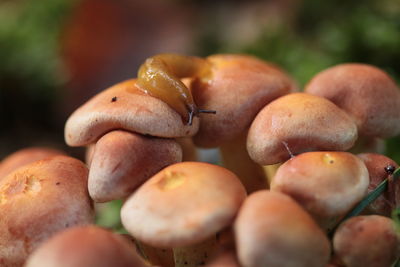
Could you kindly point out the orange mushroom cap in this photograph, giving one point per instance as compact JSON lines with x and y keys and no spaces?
{"x":124,"y":106}
{"x":84,"y":247}
{"x":273,"y":230}
{"x":326,"y":184}
{"x":25,"y":156}
{"x":298,"y":123}
{"x":238,"y":87}
{"x":365,"y":92}
{"x":183,"y":204}
{"x":39,"y":200}
{"x":368,"y":241}
{"x":122,"y":161}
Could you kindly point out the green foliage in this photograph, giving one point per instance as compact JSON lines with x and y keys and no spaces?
{"x":396,"y":219}
{"x":325,"y":33}
{"x":31,"y":72}
{"x":108,"y":216}
{"x":300,"y":57}
{"x":29,"y":42}
{"x":330,"y":32}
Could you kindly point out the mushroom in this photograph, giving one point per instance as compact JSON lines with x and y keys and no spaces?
{"x":238,"y":87}
{"x":84,"y":247}
{"x":125,"y":106}
{"x":128,"y":107}
{"x":189,"y":150}
{"x":368,"y":94}
{"x":379,"y":168}
{"x":367,"y":241}
{"x":155,"y":256}
{"x":367,"y":144}
{"x":25,"y":156}
{"x":326,"y":184}
{"x":298,"y":123}
{"x":273,"y":230}
{"x":89,"y":154}
{"x":182,"y":206}
{"x":122,"y":161}
{"x":39,"y":200}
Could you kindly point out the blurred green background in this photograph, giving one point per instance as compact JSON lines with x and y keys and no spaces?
{"x":55,"y":54}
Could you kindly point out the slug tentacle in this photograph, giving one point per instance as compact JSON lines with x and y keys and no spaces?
{"x":160,"y":77}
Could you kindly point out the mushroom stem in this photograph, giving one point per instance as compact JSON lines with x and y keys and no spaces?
{"x":270,"y":171}
{"x":156,"y":256}
{"x":235,"y":158}
{"x":367,"y":144}
{"x":195,"y":255}
{"x":189,"y":152}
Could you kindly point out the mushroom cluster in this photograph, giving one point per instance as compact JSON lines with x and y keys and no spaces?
{"x":141,"y":135}
{"x":193,"y":213}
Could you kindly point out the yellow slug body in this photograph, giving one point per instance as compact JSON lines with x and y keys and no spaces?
{"x":160,"y":77}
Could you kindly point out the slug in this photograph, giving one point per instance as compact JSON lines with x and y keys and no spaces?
{"x":160,"y":76}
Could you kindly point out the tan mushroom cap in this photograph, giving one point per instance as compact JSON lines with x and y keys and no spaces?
{"x":183,"y":204}
{"x":368,"y":241}
{"x":85,"y":247}
{"x":365,"y":92}
{"x":25,"y":156}
{"x":122,"y":161}
{"x":38,"y":200}
{"x":386,"y":202}
{"x":238,"y":88}
{"x":273,"y":230}
{"x":299,"y":122}
{"x":124,"y":106}
{"x":327,"y":184}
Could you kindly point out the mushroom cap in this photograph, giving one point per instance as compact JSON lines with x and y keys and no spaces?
{"x":273,"y":230}
{"x":25,"y":156}
{"x":376,"y":164}
{"x":84,"y":247}
{"x":183,"y":204}
{"x":365,"y":92}
{"x":38,"y":200}
{"x":124,"y":106}
{"x":122,"y":161}
{"x":326,"y":184}
{"x":238,"y":88}
{"x":299,"y":122}
{"x":367,"y":241}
